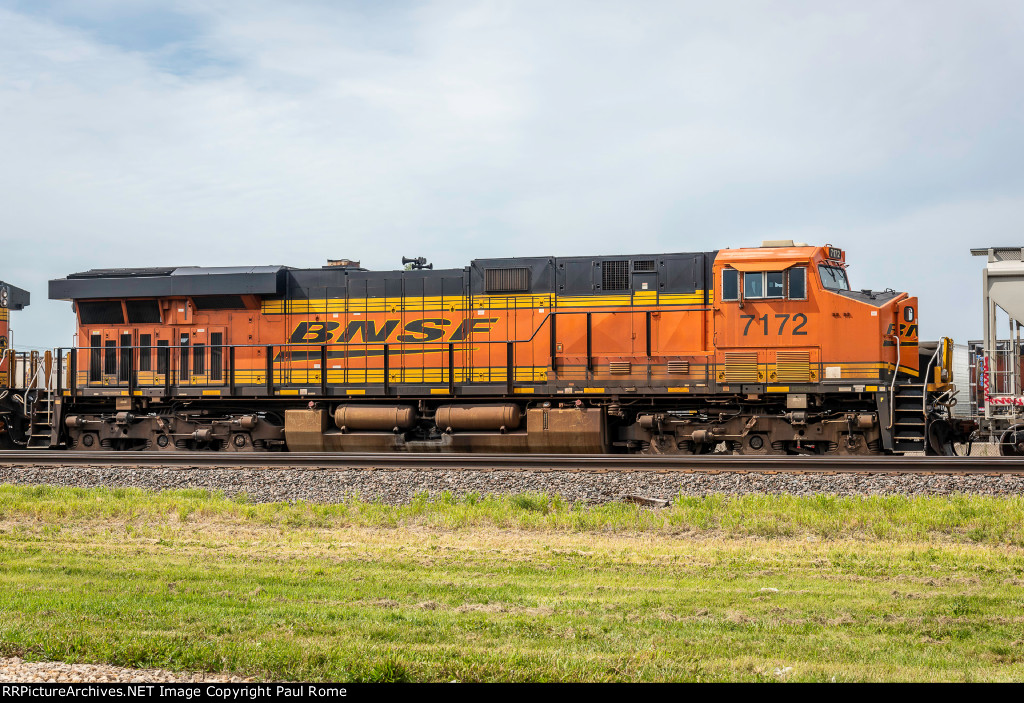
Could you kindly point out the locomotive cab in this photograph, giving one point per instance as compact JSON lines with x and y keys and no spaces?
{"x":792,"y":306}
{"x":787,"y":321}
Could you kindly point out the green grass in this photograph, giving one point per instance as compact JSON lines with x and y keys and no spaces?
{"x":962,"y":518}
{"x":521,"y":588}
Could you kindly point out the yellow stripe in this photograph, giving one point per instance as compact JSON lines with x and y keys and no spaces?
{"x":407,"y":304}
{"x":283,"y":391}
{"x":592,"y":301}
{"x":524,"y":390}
{"x":681,"y":298}
{"x":484,"y":302}
{"x":678,"y":389}
{"x":439,"y":391}
{"x":593,"y":390}
{"x":778,"y":389}
{"x":355,"y":391}
{"x":514,"y":302}
{"x":211,"y":392}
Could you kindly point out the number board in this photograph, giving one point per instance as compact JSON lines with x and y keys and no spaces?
{"x":834,"y":253}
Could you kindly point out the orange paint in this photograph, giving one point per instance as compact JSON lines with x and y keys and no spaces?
{"x":826,"y":336}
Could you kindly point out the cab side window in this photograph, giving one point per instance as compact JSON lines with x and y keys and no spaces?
{"x":797,"y":283}
{"x":753,"y":284}
{"x":730,"y":284}
{"x":790,"y":284}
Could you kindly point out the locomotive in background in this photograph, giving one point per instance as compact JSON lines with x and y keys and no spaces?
{"x":752,"y":351}
{"x":12,"y":403}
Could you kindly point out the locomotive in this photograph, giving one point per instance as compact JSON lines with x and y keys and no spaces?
{"x":761,"y":350}
{"x":11,"y":411}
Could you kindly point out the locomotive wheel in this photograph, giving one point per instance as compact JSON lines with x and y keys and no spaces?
{"x":1012,"y":442}
{"x":695,"y":448}
{"x":663,"y":444}
{"x":939,"y":435}
{"x":859,"y":446}
{"x":755,"y":445}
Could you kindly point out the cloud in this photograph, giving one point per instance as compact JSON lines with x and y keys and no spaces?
{"x":227,"y":132}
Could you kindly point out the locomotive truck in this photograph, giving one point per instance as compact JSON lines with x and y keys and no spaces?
{"x":762,"y":350}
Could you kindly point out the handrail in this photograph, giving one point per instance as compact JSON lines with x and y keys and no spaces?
{"x":892,"y":387}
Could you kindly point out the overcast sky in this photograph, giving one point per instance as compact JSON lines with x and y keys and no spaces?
{"x":212,"y":132}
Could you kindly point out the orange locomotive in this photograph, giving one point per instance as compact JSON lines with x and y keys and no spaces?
{"x":753,"y":351}
{"x":11,"y":298}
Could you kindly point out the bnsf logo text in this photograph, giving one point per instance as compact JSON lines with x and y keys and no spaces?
{"x":905,"y":330}
{"x":369,"y":331}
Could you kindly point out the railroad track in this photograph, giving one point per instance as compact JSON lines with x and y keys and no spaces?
{"x":524,"y":462}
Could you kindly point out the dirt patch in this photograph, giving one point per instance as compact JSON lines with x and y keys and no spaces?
{"x":503,"y":608}
{"x":737,"y":617}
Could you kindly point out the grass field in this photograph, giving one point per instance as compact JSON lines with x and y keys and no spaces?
{"x":522,"y":588}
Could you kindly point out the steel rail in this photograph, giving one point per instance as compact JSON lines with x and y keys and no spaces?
{"x":524,"y":462}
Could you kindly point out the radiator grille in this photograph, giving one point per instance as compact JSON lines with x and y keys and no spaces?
{"x":615,"y":275}
{"x":620,"y":367}
{"x":741,"y":366}
{"x":643,"y":265}
{"x":512,"y":280}
{"x":101,"y":312}
{"x":793,"y":366}
{"x":679,"y":367}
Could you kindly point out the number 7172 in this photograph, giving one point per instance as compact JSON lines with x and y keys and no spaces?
{"x":781,"y":318}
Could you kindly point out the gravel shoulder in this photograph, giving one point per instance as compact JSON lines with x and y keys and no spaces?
{"x":16,"y":670}
{"x":397,"y":487}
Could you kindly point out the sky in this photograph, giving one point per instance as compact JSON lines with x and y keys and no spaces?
{"x":216,"y":132}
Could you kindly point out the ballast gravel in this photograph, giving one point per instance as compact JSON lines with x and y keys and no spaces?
{"x":399,"y":486}
{"x":16,"y":670}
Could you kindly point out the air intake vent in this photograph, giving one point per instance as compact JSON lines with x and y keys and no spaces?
{"x":741,"y":367}
{"x":101,"y":312}
{"x":793,"y":366}
{"x":643,"y":265}
{"x":143,"y":312}
{"x":512,"y":280}
{"x":620,"y":367}
{"x":679,"y":366}
{"x":615,"y":275}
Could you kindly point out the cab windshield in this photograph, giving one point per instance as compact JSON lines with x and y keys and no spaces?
{"x":833,"y":277}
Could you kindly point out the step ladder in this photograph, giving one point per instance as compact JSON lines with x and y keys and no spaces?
{"x":42,"y":421}
{"x":909,"y":427}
